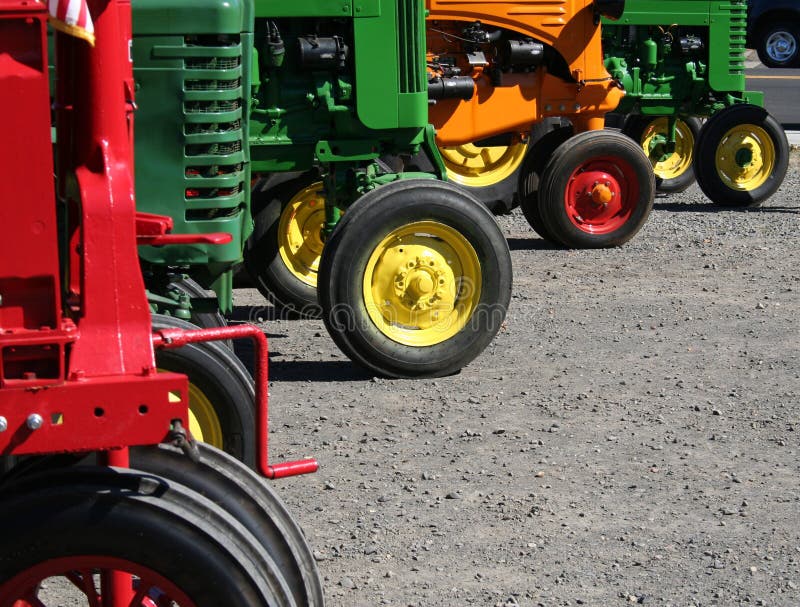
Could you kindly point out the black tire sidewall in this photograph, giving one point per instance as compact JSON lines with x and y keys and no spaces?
{"x":262,"y":258}
{"x":346,"y":256}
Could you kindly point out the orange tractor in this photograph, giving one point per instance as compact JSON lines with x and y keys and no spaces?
{"x":499,"y":69}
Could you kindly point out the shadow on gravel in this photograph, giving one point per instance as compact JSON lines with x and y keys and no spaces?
{"x":532,"y":244}
{"x":316,"y":371}
{"x":678,"y":207}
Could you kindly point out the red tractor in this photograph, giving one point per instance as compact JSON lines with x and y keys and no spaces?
{"x":103,"y":491}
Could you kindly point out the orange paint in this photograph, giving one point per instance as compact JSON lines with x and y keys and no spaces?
{"x":513,"y":102}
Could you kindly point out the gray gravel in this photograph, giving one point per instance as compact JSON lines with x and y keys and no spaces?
{"x":631,"y":436}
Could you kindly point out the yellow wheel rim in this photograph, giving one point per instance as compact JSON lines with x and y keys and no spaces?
{"x":474,"y":166}
{"x":204,"y":424}
{"x":300,"y":233}
{"x":422,"y":283}
{"x":680,"y":160}
{"x":745,"y":157}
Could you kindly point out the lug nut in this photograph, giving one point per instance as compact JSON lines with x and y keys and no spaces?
{"x":34,"y":421}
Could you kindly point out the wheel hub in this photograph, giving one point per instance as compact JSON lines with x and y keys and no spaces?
{"x":745,"y":157}
{"x":422,"y":283}
{"x":669,"y":161}
{"x":600,"y":195}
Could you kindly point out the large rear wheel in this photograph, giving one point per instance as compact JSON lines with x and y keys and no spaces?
{"x":742,"y":156}
{"x":415,"y":280}
{"x":251,"y":501}
{"x":596,"y":190}
{"x":127,"y":536}
{"x":221,"y":392}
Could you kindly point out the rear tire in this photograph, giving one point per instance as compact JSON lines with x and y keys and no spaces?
{"x":250,"y":500}
{"x":180,"y":546}
{"x":530,"y":176}
{"x":221,"y":392}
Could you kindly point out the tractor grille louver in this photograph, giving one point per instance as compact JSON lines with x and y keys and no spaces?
{"x":411,"y":55}
{"x":213,"y":132}
{"x":737,"y":34}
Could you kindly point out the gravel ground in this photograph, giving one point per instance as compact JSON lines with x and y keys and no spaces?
{"x":630,"y":437}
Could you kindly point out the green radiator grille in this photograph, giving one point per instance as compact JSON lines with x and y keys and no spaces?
{"x":738,"y":29}
{"x":412,"y":76}
{"x":214,"y":170}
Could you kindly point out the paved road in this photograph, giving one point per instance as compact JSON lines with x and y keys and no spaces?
{"x":781,"y":89}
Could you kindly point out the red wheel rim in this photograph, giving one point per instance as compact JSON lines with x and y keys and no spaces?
{"x":91,"y":576}
{"x":601,"y":195}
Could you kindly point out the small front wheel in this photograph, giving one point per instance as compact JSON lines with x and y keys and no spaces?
{"x":415,"y":280}
{"x":674,"y":170}
{"x":596,"y":190}
{"x":742,"y":156}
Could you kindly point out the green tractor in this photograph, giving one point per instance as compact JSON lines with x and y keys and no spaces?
{"x":415,"y":275}
{"x":682,"y":62}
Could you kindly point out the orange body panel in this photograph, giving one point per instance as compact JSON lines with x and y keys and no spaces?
{"x":513,"y":102}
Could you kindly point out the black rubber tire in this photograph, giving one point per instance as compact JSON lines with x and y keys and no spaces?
{"x":108,"y":513}
{"x":579,"y":150}
{"x":214,"y":369}
{"x":635,"y":128}
{"x":787,"y":29}
{"x":262,"y":258}
{"x":250,"y":500}
{"x":206,"y":320}
{"x":368,"y":221}
{"x":530,"y":175}
{"x":712,"y":135}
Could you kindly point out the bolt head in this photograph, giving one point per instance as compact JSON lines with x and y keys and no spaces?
{"x":3,"y":424}
{"x":34,"y":421}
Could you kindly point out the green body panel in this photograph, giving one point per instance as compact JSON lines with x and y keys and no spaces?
{"x":374,"y":103}
{"x":191,"y":71}
{"x":663,"y":77}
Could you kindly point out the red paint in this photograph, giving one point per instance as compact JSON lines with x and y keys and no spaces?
{"x":586,"y":189}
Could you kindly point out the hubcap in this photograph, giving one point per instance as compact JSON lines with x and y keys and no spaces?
{"x":781,"y":46}
{"x":476,"y":166}
{"x":668,"y":165}
{"x":300,"y":233}
{"x":601,"y":195}
{"x":745,"y":157}
{"x":422,"y":283}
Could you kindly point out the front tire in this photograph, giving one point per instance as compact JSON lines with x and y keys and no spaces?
{"x":282,"y":255}
{"x":221,"y":392}
{"x":596,"y":191}
{"x":742,"y":156}
{"x":674,"y":172}
{"x":415,"y":280}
